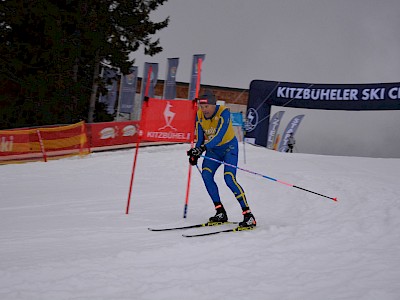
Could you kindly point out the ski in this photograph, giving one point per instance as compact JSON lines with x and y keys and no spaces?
{"x":207,"y":224}
{"x":236,"y":229}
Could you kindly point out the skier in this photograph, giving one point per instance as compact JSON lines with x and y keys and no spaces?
{"x":215,"y":136}
{"x":291,"y":143}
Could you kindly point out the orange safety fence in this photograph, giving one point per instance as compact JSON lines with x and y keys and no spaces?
{"x":34,"y":144}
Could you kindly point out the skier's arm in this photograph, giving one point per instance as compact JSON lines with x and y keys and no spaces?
{"x":199,"y":133}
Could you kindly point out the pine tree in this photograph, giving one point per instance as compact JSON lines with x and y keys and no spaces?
{"x":52,"y":51}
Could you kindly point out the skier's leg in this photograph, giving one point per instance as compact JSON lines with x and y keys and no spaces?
{"x":231,"y":158}
{"x":209,"y":168}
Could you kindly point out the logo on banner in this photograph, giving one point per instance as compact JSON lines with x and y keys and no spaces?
{"x":168,"y":117}
{"x":252,"y":120}
{"x":6,"y":146}
{"x":173,"y":72}
{"x":112,"y":132}
{"x":129,"y":130}
{"x":108,"y":133}
{"x":130,"y":78}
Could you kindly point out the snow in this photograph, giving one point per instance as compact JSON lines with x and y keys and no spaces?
{"x":65,"y":235}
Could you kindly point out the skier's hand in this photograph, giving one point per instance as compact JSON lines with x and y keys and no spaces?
{"x":193,"y":160}
{"x":197,"y":151}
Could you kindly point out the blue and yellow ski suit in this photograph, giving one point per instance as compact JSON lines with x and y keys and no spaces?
{"x":218,"y":136}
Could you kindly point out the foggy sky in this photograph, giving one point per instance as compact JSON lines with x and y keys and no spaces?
{"x":311,"y":41}
{"x":316,"y":41}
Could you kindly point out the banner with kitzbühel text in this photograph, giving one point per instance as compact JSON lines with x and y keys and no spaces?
{"x":168,"y":120}
{"x":127,"y":91}
{"x":195,"y":74}
{"x":263,"y":94}
{"x":170,"y":81}
{"x":290,"y":129}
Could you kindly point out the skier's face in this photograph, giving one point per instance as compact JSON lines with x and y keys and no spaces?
{"x":208,"y":109}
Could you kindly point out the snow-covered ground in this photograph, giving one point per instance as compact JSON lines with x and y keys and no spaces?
{"x":65,"y":235}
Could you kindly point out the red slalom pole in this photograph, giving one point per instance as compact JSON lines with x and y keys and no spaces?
{"x":41,"y":145}
{"x":199,"y":62}
{"x":270,"y":178}
{"x":132,"y":176}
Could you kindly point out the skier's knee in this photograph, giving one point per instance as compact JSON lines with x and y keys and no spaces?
{"x":229,"y":179}
{"x":207,"y":174}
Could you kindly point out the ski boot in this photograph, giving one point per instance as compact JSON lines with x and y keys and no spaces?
{"x":248,"y":220}
{"x":220,"y":215}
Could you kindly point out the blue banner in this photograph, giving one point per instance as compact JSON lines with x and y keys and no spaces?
{"x":170,"y":81}
{"x":196,"y":73}
{"x":127,"y":91}
{"x":110,"y":78}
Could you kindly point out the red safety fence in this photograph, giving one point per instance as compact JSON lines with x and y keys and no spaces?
{"x":162,"y":121}
{"x":42,"y":143}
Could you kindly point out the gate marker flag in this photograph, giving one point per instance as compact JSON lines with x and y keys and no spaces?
{"x":164,"y":120}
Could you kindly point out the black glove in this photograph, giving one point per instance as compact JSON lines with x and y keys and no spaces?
{"x":197,"y":151}
{"x":193,"y":160}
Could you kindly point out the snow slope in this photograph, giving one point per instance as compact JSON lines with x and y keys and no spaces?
{"x":65,"y":235}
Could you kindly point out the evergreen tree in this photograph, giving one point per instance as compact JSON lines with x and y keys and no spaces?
{"x":52,"y":50}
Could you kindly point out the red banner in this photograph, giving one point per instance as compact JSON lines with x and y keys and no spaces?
{"x":113,"y":133}
{"x":168,"y":120}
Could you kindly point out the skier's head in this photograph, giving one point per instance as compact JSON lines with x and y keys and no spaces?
{"x":208,"y":98}
{"x":208,"y":104}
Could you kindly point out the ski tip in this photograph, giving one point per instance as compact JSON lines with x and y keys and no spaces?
{"x":334,"y":199}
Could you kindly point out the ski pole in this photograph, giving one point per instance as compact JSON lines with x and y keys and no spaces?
{"x":244,"y":137}
{"x":267,"y":177}
{"x":198,"y":169}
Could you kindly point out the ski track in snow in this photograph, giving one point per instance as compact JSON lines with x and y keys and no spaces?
{"x":64,"y":233}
